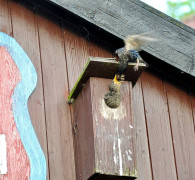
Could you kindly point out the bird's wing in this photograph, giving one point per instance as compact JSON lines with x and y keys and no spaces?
{"x":137,"y":41}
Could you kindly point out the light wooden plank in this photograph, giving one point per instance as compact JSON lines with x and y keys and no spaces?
{"x":105,"y":142}
{"x":183,"y":130}
{"x":158,"y":125}
{"x":114,"y":130}
{"x":58,"y":119}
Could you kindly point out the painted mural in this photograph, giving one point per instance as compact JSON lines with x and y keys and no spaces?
{"x":24,"y":159}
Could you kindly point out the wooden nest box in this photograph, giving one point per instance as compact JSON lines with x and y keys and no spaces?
{"x":104,"y":137}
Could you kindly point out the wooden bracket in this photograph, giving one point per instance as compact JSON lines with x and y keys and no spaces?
{"x":104,"y":137}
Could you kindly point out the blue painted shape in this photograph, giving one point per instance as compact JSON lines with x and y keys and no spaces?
{"x":20,"y":108}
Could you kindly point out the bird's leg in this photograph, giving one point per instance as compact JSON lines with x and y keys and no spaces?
{"x":137,"y":65}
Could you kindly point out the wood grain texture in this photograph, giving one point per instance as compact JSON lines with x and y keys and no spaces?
{"x":78,"y":49}
{"x":142,"y":147}
{"x":113,"y":131}
{"x":58,"y":119}
{"x":84,"y":135}
{"x":26,"y":33}
{"x":5,"y":19}
{"x":176,"y":40}
{"x":183,"y":130}
{"x":76,"y":55}
{"x":98,"y":50}
{"x":105,"y":137}
{"x":158,"y":126}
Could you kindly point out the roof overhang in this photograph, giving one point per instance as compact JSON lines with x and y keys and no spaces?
{"x":176,"y":41}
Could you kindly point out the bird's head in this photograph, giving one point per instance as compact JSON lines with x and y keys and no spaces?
{"x":117,"y":83}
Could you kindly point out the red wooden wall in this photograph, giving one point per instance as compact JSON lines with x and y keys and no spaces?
{"x":164,"y":111}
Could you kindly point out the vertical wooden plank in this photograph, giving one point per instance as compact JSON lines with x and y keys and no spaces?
{"x":26,"y":33}
{"x":182,"y":129}
{"x":58,"y":119}
{"x":113,"y":130}
{"x":5,"y":19}
{"x":76,"y":55}
{"x":78,"y":50}
{"x":158,"y":125}
{"x":84,"y":135}
{"x":142,"y":149}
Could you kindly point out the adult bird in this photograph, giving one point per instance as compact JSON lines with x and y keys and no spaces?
{"x":130,"y":53}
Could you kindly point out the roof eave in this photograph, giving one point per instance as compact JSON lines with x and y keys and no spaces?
{"x":176,"y":45}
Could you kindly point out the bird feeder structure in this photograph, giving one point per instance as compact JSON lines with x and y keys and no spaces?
{"x":104,"y":136}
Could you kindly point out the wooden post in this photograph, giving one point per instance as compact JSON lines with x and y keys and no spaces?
{"x":104,"y":137}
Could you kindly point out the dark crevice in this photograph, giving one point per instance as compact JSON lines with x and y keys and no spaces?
{"x":167,"y":102}
{"x":37,"y":26}
{"x":147,"y":131}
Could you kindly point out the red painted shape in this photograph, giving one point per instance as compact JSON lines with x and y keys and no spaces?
{"x":17,"y":158}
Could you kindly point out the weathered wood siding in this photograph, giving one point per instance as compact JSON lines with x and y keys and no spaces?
{"x":164,"y":111}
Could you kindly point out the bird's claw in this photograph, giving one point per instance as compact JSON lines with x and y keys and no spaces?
{"x":136,"y":67}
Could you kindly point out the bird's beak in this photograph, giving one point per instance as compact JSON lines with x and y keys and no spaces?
{"x":116,"y":82}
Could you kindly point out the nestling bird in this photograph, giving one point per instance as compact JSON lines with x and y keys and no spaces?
{"x":112,"y":98}
{"x":129,"y":53}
